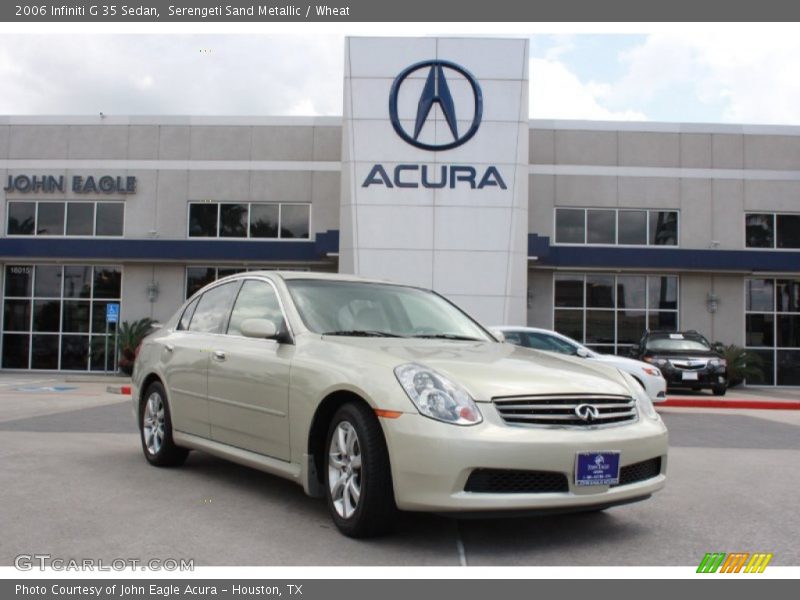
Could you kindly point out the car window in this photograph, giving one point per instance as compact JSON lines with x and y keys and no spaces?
{"x":563,"y":346}
{"x":186,"y":317}
{"x":539,"y":342}
{"x":514,"y":337}
{"x":256,"y":300}
{"x":676,"y":342}
{"x":542,"y":341}
{"x":212,"y":308}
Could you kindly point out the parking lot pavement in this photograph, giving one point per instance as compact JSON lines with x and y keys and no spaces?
{"x":73,"y":484}
{"x":26,"y":395}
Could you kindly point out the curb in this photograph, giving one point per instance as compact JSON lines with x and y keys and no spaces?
{"x":125,"y":390}
{"x":746,"y":404}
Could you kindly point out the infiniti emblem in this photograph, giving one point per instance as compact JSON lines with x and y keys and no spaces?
{"x":437,"y":91}
{"x":587,"y":412}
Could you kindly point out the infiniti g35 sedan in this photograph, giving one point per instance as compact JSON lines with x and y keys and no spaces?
{"x":382,"y":397}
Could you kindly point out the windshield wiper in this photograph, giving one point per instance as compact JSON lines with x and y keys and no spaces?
{"x":447,"y":336}
{"x":363,"y":333}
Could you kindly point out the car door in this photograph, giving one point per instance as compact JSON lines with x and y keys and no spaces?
{"x":185,"y":356}
{"x":248,"y":379}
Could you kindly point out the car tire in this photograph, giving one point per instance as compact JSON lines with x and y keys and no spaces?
{"x":719,"y":390}
{"x":155,"y":429}
{"x":358,"y":479}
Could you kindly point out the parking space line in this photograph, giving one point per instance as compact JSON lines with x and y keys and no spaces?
{"x":462,"y":553}
{"x":25,"y":382}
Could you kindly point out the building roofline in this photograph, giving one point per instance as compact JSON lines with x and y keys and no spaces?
{"x":336,"y":121}
{"x":207,"y":120}
{"x":664,"y":127}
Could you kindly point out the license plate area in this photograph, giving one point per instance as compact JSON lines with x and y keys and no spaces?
{"x":689,"y":376}
{"x":597,"y":468}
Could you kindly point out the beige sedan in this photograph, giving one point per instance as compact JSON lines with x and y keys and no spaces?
{"x":381,"y":397}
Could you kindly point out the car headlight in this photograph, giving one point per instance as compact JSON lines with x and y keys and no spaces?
{"x":652,"y":371}
{"x":437,"y":397}
{"x":642,"y":399}
{"x":717,"y":362}
{"x":655,"y":361}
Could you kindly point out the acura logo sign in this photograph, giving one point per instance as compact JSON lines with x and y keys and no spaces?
{"x":587,"y":412}
{"x":437,"y":91}
{"x":438,"y":76}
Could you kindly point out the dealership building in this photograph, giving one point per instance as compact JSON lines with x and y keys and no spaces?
{"x":435,"y":176}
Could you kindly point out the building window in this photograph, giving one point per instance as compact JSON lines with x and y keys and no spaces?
{"x":254,"y":220}
{"x":609,"y":313}
{"x":772,"y":328}
{"x":772,"y":230}
{"x":616,"y":227}
{"x":197,"y":277}
{"x":71,"y":219}
{"x":54,"y":316}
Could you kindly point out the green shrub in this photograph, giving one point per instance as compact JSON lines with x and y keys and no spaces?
{"x":742,"y":364}
{"x":129,"y":336}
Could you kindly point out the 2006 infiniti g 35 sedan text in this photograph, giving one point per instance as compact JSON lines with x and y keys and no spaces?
{"x":382,"y":397}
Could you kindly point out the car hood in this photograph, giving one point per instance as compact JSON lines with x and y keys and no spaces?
{"x":487,"y":370}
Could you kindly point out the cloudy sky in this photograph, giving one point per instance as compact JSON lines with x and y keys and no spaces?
{"x":672,"y":76}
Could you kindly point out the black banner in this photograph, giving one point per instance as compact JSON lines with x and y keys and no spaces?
{"x":342,"y":589}
{"x":442,"y":11}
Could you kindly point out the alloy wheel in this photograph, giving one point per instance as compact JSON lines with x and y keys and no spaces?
{"x":344,"y":469}
{"x":153,"y":423}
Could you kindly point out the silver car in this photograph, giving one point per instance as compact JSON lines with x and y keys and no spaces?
{"x":381,"y":397}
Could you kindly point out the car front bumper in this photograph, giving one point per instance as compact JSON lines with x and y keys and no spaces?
{"x":656,"y":388}
{"x":705,"y":378}
{"x":432,"y":462}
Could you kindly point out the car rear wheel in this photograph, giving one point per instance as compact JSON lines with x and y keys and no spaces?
{"x":358,"y":480}
{"x":155,"y":428}
{"x":719,"y":390}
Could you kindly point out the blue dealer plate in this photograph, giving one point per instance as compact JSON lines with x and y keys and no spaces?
{"x":597,"y":468}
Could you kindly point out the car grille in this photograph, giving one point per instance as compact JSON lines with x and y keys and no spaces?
{"x":548,"y":410}
{"x":505,"y":481}
{"x":689,"y":365}
{"x":641,"y":471}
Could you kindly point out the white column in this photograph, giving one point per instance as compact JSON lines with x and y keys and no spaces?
{"x":467,"y":238}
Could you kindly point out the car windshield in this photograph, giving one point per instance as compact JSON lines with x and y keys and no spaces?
{"x":379,"y":310}
{"x":677,"y":343}
{"x":551,"y":343}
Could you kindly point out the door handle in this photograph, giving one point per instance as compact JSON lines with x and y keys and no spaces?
{"x":219,"y":355}
{"x":169,"y":347}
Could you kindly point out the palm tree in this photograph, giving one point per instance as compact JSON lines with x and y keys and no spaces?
{"x":129,"y":336}
{"x":742,"y":364}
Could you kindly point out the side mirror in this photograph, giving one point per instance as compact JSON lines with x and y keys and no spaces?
{"x":583,"y":353}
{"x":259,"y":328}
{"x":497,"y":334}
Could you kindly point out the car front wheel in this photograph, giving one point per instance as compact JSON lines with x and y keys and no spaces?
{"x":155,"y":427}
{"x":719,"y":390}
{"x":358,"y":480}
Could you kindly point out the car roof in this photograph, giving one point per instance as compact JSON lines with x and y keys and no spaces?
{"x":290,"y":275}
{"x":521,"y":328}
{"x":688,"y":333}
